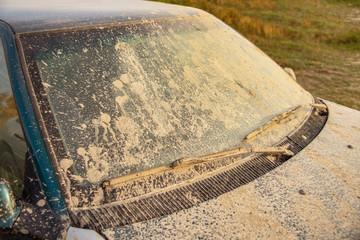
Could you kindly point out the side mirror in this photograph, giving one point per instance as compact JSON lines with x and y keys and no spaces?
{"x":291,"y":73}
{"x":9,"y":206}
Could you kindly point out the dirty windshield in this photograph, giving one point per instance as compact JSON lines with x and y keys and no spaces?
{"x":135,"y":96}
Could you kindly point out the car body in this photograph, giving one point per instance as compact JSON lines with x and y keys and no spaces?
{"x":148,"y":120}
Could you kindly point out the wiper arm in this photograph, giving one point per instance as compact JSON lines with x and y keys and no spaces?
{"x":194,"y":160}
{"x":276,"y":120}
{"x":282,"y":116}
{"x":230,"y":153}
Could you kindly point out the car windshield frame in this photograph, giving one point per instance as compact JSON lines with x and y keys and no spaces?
{"x":61,"y":160}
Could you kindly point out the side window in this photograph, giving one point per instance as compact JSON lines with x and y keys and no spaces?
{"x":12,"y":142}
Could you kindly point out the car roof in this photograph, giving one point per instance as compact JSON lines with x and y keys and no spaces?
{"x":44,"y":15}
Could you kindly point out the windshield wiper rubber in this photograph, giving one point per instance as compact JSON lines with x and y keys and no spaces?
{"x":231,"y":153}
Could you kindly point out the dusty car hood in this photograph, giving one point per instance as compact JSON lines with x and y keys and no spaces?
{"x":313,"y":195}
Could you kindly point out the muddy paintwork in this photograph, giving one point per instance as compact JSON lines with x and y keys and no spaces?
{"x":313,"y":195}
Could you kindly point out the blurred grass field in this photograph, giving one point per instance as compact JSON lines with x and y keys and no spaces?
{"x":318,"y":39}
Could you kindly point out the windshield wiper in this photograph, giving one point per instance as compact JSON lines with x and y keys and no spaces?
{"x":195,"y":160}
{"x":322,"y":108}
{"x":276,"y":120}
{"x":230,"y":153}
{"x":270,"y":151}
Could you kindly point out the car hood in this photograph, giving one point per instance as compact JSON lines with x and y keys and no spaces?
{"x":315,"y":194}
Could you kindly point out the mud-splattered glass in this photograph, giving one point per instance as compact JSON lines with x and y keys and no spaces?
{"x":136,"y":96}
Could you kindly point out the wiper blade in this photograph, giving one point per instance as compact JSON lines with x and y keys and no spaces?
{"x":230,"y":153}
{"x":194,"y":160}
{"x":276,"y":120}
{"x":322,"y":108}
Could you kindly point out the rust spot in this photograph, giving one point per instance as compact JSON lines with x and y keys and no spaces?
{"x":350,"y":146}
